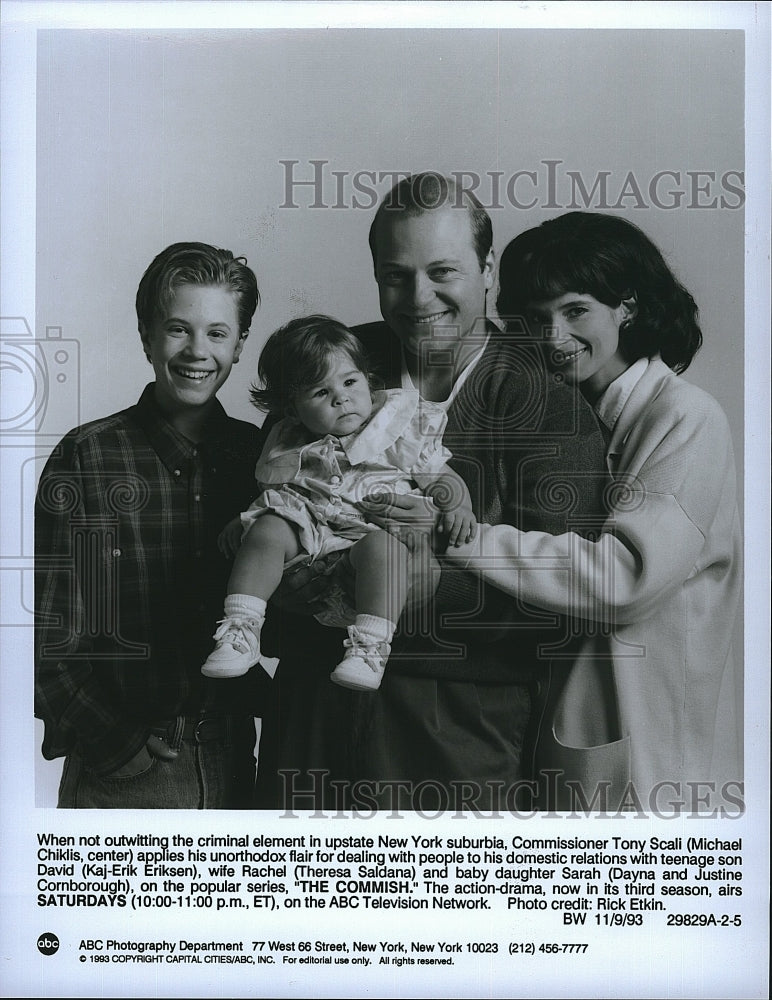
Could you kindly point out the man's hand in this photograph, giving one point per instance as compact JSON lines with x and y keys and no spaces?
{"x":410,"y":518}
{"x":229,"y":539}
{"x":384,"y":509}
{"x":302,"y":588}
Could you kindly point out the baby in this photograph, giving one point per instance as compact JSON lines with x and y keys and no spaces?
{"x":336,"y":444}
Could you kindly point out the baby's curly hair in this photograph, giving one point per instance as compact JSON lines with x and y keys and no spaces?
{"x":297,"y":356}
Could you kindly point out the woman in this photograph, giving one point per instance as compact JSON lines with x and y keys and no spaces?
{"x":649,"y":704}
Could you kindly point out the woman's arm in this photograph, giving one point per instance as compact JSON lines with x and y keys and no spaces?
{"x":650,"y":544}
{"x":621,"y":577}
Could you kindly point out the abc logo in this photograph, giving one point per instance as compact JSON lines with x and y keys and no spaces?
{"x":48,"y":943}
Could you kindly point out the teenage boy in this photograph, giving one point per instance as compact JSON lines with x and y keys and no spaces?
{"x":128,"y":575}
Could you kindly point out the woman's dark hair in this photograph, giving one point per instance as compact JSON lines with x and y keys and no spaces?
{"x":297,"y":356}
{"x":611,"y":259}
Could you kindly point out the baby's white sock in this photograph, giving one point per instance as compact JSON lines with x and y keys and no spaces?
{"x":244,"y":606}
{"x":380,"y":629}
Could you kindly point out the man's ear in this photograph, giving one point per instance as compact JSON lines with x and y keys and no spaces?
{"x":489,"y":269}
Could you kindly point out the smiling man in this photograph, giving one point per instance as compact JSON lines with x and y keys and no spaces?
{"x":434,"y":270}
{"x":128,"y":575}
{"x":447,"y":728}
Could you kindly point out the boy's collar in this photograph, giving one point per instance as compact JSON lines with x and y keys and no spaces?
{"x":172,"y":447}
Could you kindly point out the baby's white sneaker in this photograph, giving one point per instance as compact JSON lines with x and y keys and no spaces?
{"x":237,"y":647}
{"x":364,"y":662}
{"x":237,"y":638}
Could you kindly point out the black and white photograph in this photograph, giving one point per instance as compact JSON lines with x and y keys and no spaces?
{"x":385,"y":460}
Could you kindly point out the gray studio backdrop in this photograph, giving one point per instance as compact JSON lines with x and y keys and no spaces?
{"x":145,"y":138}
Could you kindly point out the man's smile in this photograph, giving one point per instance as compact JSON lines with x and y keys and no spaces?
{"x":430,"y":318}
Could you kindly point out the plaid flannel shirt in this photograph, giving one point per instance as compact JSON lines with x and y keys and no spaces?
{"x":129,"y":582}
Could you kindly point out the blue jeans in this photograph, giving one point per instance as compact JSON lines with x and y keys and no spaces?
{"x":215,"y":774}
